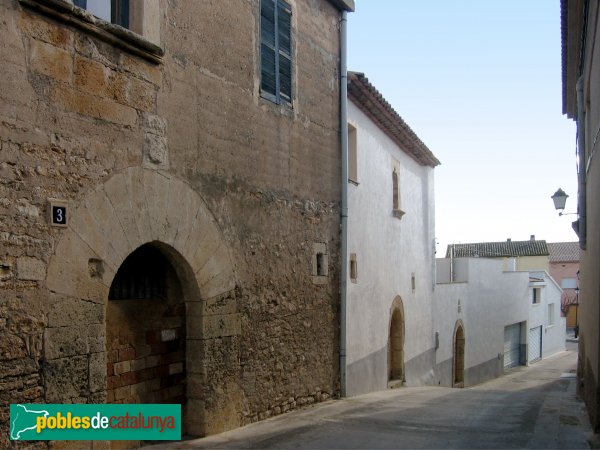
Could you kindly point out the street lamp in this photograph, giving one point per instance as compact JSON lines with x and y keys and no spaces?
{"x":560,"y":199}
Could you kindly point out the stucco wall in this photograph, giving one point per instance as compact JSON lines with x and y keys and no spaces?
{"x":187,"y":155}
{"x":533,"y":263}
{"x":490,"y":299}
{"x":553,"y":336}
{"x":559,"y":270}
{"x":388,"y":251}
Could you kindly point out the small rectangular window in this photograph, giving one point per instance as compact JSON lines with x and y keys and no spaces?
{"x":396,"y":211}
{"x":395,"y":196}
{"x":352,"y":155}
{"x":276,"y":50}
{"x":353,"y":268}
{"x":536,"y":296}
{"x":321,"y":265}
{"x":568,"y":283}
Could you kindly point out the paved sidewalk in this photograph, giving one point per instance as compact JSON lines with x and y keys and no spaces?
{"x":531,"y":407}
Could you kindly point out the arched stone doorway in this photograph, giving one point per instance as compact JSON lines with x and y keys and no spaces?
{"x":458,"y":366}
{"x":141,"y":208}
{"x":145,"y":331}
{"x":396,"y":344}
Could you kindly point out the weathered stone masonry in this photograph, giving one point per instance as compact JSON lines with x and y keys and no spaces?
{"x":184,"y":156}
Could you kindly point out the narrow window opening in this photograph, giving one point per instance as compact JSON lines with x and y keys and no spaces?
{"x":396,"y":211}
{"x":352,"y":155}
{"x":321,"y":265}
{"x":395,"y":201}
{"x":353,"y":268}
{"x":536,"y":296}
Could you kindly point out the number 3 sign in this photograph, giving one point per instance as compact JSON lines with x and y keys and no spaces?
{"x":58,"y":213}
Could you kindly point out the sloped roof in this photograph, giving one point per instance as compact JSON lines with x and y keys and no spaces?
{"x":564,"y":251}
{"x":370,"y":101}
{"x":573,"y":25}
{"x":499,"y":249}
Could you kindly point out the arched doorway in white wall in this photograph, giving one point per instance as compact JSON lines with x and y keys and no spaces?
{"x":458,"y":366}
{"x":396,"y":375}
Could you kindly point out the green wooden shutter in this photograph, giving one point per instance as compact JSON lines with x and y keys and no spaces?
{"x":268,"y":53}
{"x":284,"y":35}
{"x":276,"y":50}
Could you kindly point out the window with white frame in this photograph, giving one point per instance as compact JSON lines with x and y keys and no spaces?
{"x":536,"y":295}
{"x":113,"y":11}
{"x":568,"y":283}
{"x":276,"y":50}
{"x":138,"y":32}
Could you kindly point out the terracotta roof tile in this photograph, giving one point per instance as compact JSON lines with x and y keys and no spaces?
{"x":564,"y":251}
{"x":364,"y":95}
{"x":499,"y":249}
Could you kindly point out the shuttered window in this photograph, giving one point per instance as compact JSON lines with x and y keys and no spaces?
{"x":114,"y":11}
{"x":276,"y":50}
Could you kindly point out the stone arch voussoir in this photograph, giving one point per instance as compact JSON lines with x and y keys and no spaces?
{"x":134,"y":207}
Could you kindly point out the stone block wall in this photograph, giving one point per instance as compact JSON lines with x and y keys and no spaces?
{"x":186,"y":155}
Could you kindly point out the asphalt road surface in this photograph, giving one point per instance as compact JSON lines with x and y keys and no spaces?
{"x":530,"y":407}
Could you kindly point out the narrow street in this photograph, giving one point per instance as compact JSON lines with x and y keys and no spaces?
{"x":531,"y":407}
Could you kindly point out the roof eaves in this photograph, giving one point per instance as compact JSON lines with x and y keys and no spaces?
{"x":343,"y":5}
{"x":374,"y":105}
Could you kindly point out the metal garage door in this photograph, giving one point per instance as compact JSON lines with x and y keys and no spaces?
{"x":512,"y":345}
{"x":535,"y":344}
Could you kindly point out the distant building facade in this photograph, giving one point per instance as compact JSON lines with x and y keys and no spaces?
{"x":169,"y":192}
{"x":564,"y":268}
{"x":516,"y":255}
{"x":488,"y":319}
{"x":546,"y":323}
{"x":480,"y":320}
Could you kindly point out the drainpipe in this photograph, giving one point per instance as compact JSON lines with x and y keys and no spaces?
{"x":581,"y":206}
{"x":344,"y":212}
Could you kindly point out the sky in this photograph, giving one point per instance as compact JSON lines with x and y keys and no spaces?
{"x":479,"y":82}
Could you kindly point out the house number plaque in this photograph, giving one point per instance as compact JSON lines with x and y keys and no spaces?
{"x":58,"y":212}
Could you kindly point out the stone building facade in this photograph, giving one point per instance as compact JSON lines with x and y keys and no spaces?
{"x":169,"y":232}
{"x":581,"y":102}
